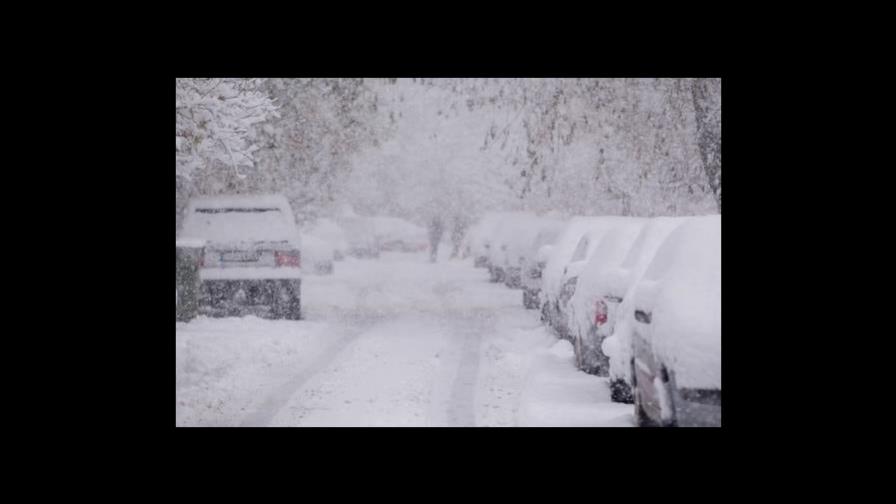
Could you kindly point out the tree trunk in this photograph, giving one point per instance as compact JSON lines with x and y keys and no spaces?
{"x":709,"y":136}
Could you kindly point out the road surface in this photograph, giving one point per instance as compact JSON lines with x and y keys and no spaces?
{"x":397,"y":341}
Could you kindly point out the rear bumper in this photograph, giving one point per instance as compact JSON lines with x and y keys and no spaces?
{"x":225,"y":294}
{"x":247,"y":274}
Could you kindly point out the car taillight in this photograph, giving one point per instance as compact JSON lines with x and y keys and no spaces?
{"x":600,"y":312}
{"x":287,"y":258}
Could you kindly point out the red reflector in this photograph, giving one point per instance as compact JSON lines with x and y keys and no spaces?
{"x":600,"y":312}
{"x":287,"y":259}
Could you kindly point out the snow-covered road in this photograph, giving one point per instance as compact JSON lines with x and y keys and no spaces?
{"x":391,"y":342}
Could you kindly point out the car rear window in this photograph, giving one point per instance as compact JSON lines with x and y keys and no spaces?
{"x":240,"y":224}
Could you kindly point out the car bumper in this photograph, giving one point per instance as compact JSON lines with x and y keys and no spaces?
{"x":259,"y":274}
{"x":235,"y":297}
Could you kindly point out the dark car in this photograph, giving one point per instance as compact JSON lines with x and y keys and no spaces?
{"x":252,"y":259}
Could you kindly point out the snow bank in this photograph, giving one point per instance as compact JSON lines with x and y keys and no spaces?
{"x":558,"y":395}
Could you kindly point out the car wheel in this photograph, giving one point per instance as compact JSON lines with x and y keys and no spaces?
{"x":620,"y":391}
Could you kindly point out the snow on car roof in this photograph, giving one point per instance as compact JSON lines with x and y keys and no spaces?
{"x":566,"y":245}
{"x":241,"y":218}
{"x":625,"y":279}
{"x":531,"y":236}
{"x":608,"y":254}
{"x":682,"y":289}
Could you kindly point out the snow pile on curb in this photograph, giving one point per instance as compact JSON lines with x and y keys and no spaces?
{"x":559,"y":395}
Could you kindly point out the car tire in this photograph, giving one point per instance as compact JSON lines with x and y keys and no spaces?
{"x":621,"y":392}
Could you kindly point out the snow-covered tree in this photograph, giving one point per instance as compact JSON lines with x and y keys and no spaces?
{"x":215,"y":125}
{"x":215,"y":120}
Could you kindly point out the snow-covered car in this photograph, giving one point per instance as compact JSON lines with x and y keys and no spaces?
{"x":617,"y":287}
{"x":398,"y":235}
{"x":592,"y":305}
{"x":480,"y":237}
{"x":532,"y":277}
{"x":252,"y":258}
{"x":523,"y":247}
{"x":507,"y":230}
{"x":330,"y":232}
{"x":362,"y":241}
{"x":576,"y":244}
{"x":677,"y":329}
{"x":317,"y":254}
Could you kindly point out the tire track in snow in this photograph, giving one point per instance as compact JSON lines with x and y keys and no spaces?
{"x":281,"y":396}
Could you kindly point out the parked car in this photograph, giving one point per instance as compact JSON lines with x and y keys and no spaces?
{"x":318,"y":255}
{"x":592,"y":305}
{"x":330,"y":232}
{"x":252,"y":258}
{"x":508,"y":229}
{"x":532,"y":277}
{"x":575,"y":246}
{"x":480,"y":237}
{"x":398,"y":235}
{"x":522,"y":248}
{"x":362,"y":241}
{"x":618,"y":289}
{"x":677,"y":336}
